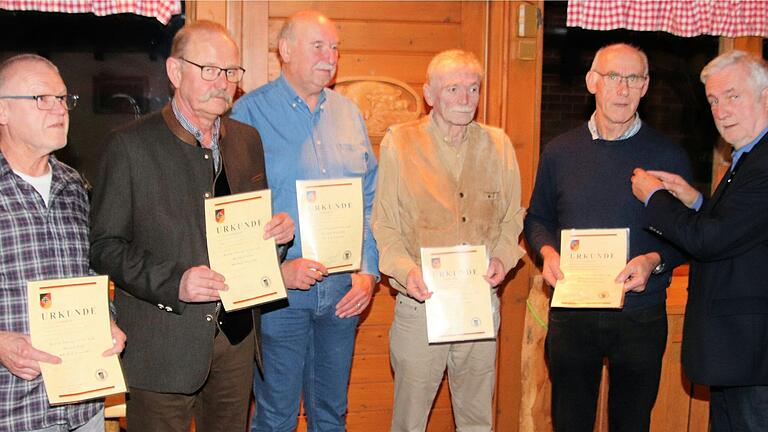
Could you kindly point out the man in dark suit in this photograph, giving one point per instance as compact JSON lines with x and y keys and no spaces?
{"x":725,"y":340}
{"x":187,"y":358}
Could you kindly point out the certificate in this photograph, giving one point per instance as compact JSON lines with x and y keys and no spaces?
{"x":460,"y":307}
{"x":234,"y":227}
{"x":590,"y":260}
{"x":69,"y":318}
{"x":331,"y":222}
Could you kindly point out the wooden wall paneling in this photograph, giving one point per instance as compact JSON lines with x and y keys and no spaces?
{"x":496,"y":56}
{"x":383,"y":37}
{"x":254,"y":44}
{"x":474,"y":38}
{"x":673,"y":403}
{"x":207,"y":10}
{"x":514,"y":102}
{"x":419,"y":11}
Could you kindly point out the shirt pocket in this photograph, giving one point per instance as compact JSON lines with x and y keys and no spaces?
{"x":354,"y":159}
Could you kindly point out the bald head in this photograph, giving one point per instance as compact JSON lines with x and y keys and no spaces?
{"x":621,"y":49}
{"x":288,"y":31}
{"x":191,"y":32}
{"x":15,"y":65}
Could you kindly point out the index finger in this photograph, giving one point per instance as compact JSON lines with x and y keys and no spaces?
{"x":661,"y":175}
{"x":42,"y":356}
{"x":317,"y":266}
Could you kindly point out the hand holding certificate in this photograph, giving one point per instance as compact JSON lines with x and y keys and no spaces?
{"x":460,"y":306}
{"x":69,"y":318}
{"x":591,"y":259}
{"x":331,"y":222}
{"x":234,"y":226}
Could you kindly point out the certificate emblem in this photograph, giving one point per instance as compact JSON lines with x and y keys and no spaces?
{"x":265,"y":282}
{"x":219,"y":215}
{"x":476,"y":322}
{"x":347,"y":254}
{"x":574,"y":245}
{"x":435,"y":263}
{"x":101,"y":374}
{"x":311,"y":196}
{"x":46,"y":301}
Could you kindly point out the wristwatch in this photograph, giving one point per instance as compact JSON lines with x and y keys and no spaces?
{"x":659,"y":268}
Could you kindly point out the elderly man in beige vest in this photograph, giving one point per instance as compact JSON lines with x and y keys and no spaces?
{"x":445,"y":180}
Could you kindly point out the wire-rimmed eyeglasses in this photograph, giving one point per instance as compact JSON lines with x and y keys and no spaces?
{"x":47,"y":102}
{"x":612,"y":79}
{"x":210,"y":73}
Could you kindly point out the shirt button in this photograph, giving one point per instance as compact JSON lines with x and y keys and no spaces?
{"x":461,"y":194}
{"x":463,"y":219}
{"x":206,"y":156}
{"x":318,"y":142}
{"x":207,"y":195}
{"x":323,"y":170}
{"x":209,"y":317}
{"x":293,"y":104}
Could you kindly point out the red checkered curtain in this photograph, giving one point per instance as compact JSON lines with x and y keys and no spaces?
{"x":160,"y":9}
{"x":687,"y":18}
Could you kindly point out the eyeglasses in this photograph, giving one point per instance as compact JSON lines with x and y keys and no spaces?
{"x":210,"y":73}
{"x":612,"y":80}
{"x":47,"y":102}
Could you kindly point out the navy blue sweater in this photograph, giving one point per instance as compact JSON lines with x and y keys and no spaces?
{"x":585,"y":183}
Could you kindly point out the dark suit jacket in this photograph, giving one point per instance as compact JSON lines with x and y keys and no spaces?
{"x":148,"y":228}
{"x":725,"y":339}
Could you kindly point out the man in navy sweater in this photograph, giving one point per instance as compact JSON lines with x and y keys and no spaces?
{"x":582,"y":183}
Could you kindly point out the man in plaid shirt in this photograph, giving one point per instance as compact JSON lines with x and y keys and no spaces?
{"x":43,"y":235}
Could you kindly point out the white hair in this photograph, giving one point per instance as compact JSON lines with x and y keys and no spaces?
{"x":756,"y":68}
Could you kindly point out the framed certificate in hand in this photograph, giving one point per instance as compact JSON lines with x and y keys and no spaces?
{"x":234,"y":226}
{"x":590,"y":260}
{"x":331,"y":222}
{"x":69,"y":318}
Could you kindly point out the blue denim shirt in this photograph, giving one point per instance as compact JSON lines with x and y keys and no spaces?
{"x":299,"y":144}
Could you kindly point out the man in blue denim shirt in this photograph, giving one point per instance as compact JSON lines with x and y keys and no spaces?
{"x":310,"y":132}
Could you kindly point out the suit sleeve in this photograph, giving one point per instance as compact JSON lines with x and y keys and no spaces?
{"x":733,"y":227}
{"x":113,"y":251}
{"x":671,"y":255}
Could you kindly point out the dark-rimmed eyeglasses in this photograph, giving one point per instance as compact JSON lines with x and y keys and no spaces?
{"x":47,"y":102}
{"x":612,"y":79}
{"x":210,"y":73}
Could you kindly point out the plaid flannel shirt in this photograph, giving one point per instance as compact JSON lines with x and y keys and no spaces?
{"x":36,"y":243}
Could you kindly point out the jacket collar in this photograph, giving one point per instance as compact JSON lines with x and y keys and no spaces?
{"x":178,"y":130}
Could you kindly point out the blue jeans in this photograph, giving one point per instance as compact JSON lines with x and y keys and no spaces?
{"x":307,"y":350}
{"x":739,"y":409}
{"x":95,"y":424}
{"x":633,"y":341}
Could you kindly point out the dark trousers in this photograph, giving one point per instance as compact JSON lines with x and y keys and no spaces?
{"x":633,"y":343}
{"x":739,"y":409}
{"x":220,"y":405}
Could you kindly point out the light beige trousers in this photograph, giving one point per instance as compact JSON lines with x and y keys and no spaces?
{"x":419,"y":369}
